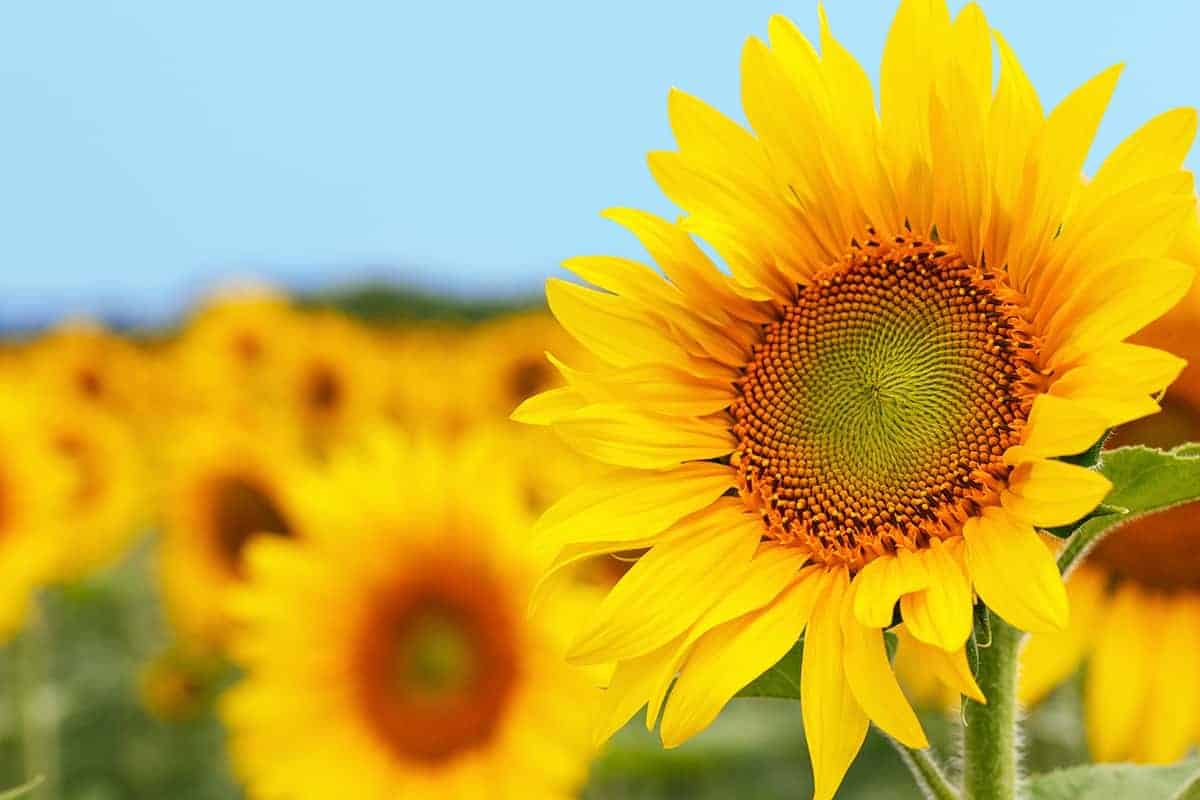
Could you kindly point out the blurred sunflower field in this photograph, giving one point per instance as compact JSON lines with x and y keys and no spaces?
{"x":144,"y":634}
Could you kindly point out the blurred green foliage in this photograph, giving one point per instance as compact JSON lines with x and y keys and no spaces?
{"x":387,"y":303}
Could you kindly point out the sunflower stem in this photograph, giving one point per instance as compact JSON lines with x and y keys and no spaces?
{"x":39,"y":729}
{"x":926,"y":772}
{"x":990,"y":731}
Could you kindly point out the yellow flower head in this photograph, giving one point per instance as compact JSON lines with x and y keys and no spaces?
{"x":33,"y":484}
{"x":331,"y":380}
{"x":925,"y":306}
{"x":232,"y":349}
{"x":107,"y":503}
{"x":81,"y":361}
{"x":224,"y":485}
{"x":1135,"y":600}
{"x":389,"y":654}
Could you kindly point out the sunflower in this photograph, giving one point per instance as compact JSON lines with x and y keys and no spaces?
{"x":1135,"y":600}
{"x":231,"y":350}
{"x":224,"y":486}
{"x":331,"y":381}
{"x":33,"y":483}
{"x":83,"y":361}
{"x":106,"y":505}
{"x":390,"y":650}
{"x":923,"y":309}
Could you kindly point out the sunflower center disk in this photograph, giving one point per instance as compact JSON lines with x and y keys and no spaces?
{"x":438,"y":663}
{"x":242,"y":510}
{"x":876,"y":411}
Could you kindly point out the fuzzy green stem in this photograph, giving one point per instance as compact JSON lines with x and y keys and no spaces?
{"x":926,"y":772}
{"x":990,"y":731}
{"x":39,"y":730}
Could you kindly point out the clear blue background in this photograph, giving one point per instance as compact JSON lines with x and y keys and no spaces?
{"x":150,"y":149}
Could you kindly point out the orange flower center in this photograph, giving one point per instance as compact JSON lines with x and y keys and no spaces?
{"x":527,"y":377}
{"x":875,"y":412}
{"x":241,"y":510}
{"x":324,"y":390}
{"x":437,"y":661}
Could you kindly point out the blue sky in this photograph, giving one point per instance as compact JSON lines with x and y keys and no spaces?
{"x":151,"y":149}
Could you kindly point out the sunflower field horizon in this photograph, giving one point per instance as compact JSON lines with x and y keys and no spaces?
{"x":857,"y":457}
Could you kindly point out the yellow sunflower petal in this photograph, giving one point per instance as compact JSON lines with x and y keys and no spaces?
{"x":645,"y":288}
{"x":1048,"y":659}
{"x":689,"y":268}
{"x":834,"y":723}
{"x":630,"y":279}
{"x":744,"y":217}
{"x":881,"y":584}
{"x":1057,"y":427}
{"x":1014,"y":572}
{"x":615,"y":435}
{"x":756,"y":584}
{"x":940,"y":614}
{"x":906,"y":80}
{"x":637,"y":616}
{"x":549,"y":406}
{"x":632,"y":504}
{"x":1119,"y":676}
{"x":655,"y":388}
{"x":1090,"y":254}
{"x":853,"y":115}
{"x":948,"y":668}
{"x":631,"y":684}
{"x":1157,"y":148}
{"x":1052,"y":493}
{"x":557,"y":575}
{"x":873,"y":682}
{"x":1050,"y":186}
{"x":1173,"y":711}
{"x":728,"y":657}
{"x":770,"y":98}
{"x":1137,"y":368}
{"x":1134,"y":294}
{"x":610,"y":327}
{"x":1117,"y":403}
{"x":1015,"y":118}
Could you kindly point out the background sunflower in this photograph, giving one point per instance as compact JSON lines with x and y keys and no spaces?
{"x":1135,"y":602}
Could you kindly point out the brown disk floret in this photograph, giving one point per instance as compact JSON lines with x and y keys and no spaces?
{"x":875,"y":412}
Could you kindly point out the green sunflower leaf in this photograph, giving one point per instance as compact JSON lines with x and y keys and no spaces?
{"x":1176,"y":782}
{"x":1144,"y":480}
